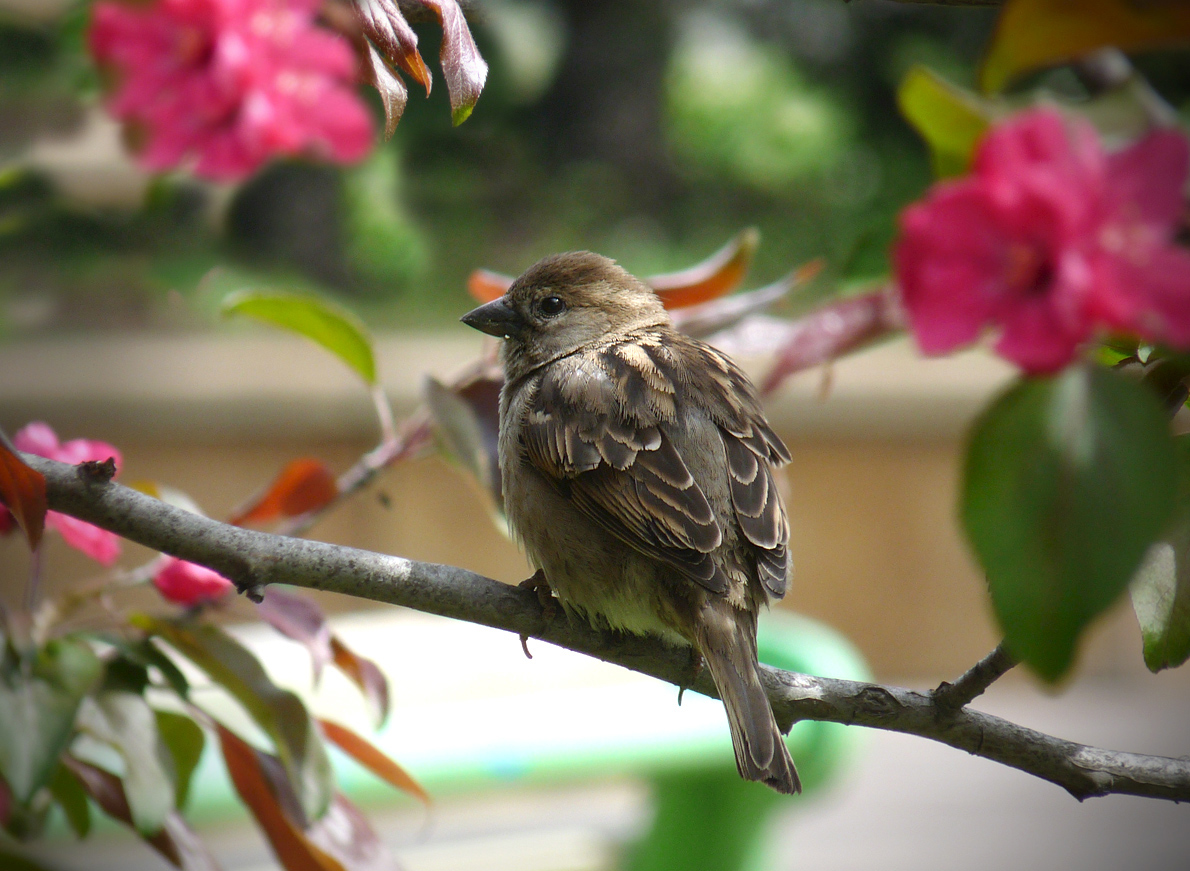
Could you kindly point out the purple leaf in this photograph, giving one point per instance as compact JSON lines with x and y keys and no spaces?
{"x":393,"y":93}
{"x":5,"y":802}
{"x":833,"y":330}
{"x":462,"y":66}
{"x":366,"y":675}
{"x":300,"y":619}
{"x":345,"y":834}
{"x":386,"y":28}
{"x":176,"y":841}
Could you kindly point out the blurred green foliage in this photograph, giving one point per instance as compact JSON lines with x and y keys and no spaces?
{"x":650,"y":132}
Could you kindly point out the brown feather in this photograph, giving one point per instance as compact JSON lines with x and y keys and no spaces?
{"x":638,"y":471}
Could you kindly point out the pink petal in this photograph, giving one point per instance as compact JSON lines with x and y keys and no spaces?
{"x":187,"y":583}
{"x":1161,"y":281}
{"x":340,"y":127}
{"x":1148,"y":181}
{"x":948,"y":266}
{"x":229,"y":84}
{"x":1067,"y":148}
{"x":1042,"y":333}
{"x":37,"y":438}
{"x":78,"y":451}
{"x":99,"y":544}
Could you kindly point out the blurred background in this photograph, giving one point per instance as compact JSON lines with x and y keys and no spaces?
{"x":648,"y":131}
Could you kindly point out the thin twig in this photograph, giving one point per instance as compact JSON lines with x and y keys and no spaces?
{"x":256,"y":558}
{"x":974,"y":682}
{"x":413,"y":435}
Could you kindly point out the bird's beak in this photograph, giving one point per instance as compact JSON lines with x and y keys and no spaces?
{"x":496,"y":318}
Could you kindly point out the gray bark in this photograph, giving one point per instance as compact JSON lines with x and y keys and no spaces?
{"x":253,"y":559}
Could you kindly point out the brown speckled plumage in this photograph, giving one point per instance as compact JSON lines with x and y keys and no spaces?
{"x":637,"y":472}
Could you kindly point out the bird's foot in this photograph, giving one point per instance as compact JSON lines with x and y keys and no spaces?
{"x":545,"y":597}
{"x":545,"y":594}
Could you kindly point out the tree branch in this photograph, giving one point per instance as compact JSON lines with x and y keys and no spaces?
{"x":968,"y":3}
{"x":974,"y":681}
{"x":253,"y":559}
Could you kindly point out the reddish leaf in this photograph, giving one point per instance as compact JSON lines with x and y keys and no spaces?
{"x":462,"y":66}
{"x":5,"y":802}
{"x":306,"y":484}
{"x":485,"y":285}
{"x":393,"y":93}
{"x":366,"y":675}
{"x":302,"y":620}
{"x":293,"y":849}
{"x":176,"y":841}
{"x":367,"y":755}
{"x":386,"y":28}
{"x":345,"y":834}
{"x":832,"y":331}
{"x":719,"y":274}
{"x":714,"y":315}
{"x":22,"y":489}
{"x":280,"y":713}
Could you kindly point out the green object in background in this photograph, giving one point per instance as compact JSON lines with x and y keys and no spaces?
{"x":707,"y":819}
{"x":711,"y":820}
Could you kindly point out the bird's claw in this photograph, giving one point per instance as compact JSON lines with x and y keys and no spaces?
{"x":696,"y":667}
{"x":545,"y":598}
{"x":545,"y":594}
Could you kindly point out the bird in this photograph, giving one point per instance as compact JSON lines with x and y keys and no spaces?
{"x":637,"y":469}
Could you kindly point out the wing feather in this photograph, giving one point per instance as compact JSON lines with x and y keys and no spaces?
{"x":598,"y":424}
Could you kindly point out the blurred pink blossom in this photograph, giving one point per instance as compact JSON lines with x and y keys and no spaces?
{"x":38,"y":438}
{"x":1049,"y":240}
{"x":187,"y":583}
{"x":229,"y":84}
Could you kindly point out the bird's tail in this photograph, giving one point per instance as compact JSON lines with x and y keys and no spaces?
{"x":728,"y":645}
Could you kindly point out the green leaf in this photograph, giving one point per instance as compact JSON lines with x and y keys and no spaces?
{"x":37,"y":711}
{"x":185,"y":740}
{"x":1161,"y":589}
{"x":126,"y":675}
{"x":950,"y":119}
{"x":124,"y":721}
{"x":143,"y":652}
{"x":336,"y":329}
{"x":1069,"y":480}
{"x":70,"y":796}
{"x":280,"y":713}
{"x":467,"y":417}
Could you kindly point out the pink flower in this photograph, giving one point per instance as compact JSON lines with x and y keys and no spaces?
{"x":38,"y":438}
{"x":1049,"y":240}
{"x":189,"y":583}
{"x":230,"y":83}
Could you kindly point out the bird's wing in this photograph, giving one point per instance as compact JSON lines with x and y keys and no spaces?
{"x":597,"y":427}
{"x":752,"y":449}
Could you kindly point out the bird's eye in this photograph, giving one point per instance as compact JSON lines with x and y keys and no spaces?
{"x":551,"y":306}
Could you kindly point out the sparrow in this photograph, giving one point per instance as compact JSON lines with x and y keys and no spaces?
{"x":637,"y":473}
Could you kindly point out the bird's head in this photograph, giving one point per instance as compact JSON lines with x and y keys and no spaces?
{"x":564,"y":303}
